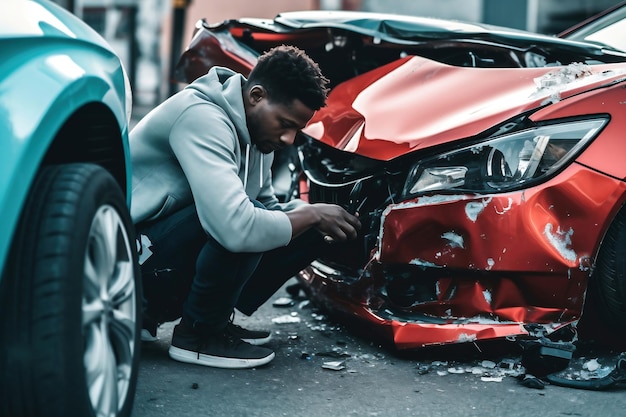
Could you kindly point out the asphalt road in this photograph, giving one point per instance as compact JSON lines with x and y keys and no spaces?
{"x":372,"y":381}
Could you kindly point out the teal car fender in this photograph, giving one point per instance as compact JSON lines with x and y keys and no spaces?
{"x":70,"y":286}
{"x":55,"y":70}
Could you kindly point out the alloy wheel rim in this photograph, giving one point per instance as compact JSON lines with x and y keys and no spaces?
{"x":108,"y":312}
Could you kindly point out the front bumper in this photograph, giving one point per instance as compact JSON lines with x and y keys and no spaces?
{"x":463,"y":268}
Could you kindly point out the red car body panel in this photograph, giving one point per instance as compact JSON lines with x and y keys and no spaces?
{"x":382,"y":109}
{"x":481,"y":266}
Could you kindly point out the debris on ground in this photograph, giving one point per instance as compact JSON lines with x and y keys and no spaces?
{"x":542,"y":362}
{"x":334,"y":365}
{"x":283,"y":302}
{"x":287,"y":318}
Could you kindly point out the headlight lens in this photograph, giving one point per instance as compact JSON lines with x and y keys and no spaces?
{"x":505,"y":162}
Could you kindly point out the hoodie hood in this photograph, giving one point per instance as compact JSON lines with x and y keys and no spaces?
{"x":223,"y":87}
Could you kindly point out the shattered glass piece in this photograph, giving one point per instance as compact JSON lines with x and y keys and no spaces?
{"x":442,"y":373}
{"x":491,"y":378}
{"x":591,"y":365}
{"x":477,"y":370}
{"x":367,"y":357}
{"x":318,"y":317}
{"x":488,"y":364}
{"x":423,"y":369}
{"x":334,"y":354}
{"x":334,"y":365}
{"x":456,"y":370}
{"x":287,"y":318}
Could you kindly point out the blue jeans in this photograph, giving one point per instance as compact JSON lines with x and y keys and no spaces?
{"x":222,"y":280}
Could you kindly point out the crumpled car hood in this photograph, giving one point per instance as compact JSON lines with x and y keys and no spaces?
{"x":417,"y":103}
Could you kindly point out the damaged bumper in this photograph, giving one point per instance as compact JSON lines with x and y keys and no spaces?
{"x":462,"y":268}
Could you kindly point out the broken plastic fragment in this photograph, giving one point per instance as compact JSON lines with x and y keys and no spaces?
{"x":283,"y":302}
{"x":334,"y":365}
{"x":541,"y":357}
{"x":532,"y":382}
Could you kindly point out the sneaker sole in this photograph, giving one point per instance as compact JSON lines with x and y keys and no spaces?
{"x":258,"y":342}
{"x":187,"y":356}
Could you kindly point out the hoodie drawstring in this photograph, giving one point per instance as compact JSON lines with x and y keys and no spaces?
{"x":245,"y":176}
{"x":246,"y":169}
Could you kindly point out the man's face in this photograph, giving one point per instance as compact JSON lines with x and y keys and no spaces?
{"x":273,"y":125}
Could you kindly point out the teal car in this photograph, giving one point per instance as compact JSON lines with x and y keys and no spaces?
{"x":70,"y":297}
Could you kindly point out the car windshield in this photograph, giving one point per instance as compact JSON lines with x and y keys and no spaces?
{"x":609,"y":31}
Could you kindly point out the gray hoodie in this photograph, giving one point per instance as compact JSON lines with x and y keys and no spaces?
{"x":195,"y":147}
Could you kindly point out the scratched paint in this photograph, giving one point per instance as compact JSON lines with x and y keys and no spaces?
{"x":454,"y":240}
{"x":464,"y":337}
{"x":560,"y":240}
{"x":507,"y":208}
{"x":487,"y":295}
{"x":474,"y":208}
{"x":490,"y":263}
{"x":421,"y":262}
{"x":553,"y":82}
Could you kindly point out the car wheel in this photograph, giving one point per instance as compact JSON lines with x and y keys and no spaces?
{"x":609,"y":278}
{"x":70,"y":303}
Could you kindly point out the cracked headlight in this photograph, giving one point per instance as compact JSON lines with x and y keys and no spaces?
{"x":505,"y":162}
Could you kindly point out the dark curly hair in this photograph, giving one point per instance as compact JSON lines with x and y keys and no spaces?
{"x":288,"y":73}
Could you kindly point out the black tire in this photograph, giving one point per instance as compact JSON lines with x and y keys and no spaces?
{"x":70,"y":300}
{"x":608,"y":282}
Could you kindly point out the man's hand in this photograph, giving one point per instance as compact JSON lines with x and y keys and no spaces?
{"x":334,"y":222}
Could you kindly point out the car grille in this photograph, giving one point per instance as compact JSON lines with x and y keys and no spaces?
{"x":356,"y":183}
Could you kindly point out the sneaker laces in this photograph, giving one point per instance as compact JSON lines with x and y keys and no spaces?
{"x":231,"y":322}
{"x":225,"y":337}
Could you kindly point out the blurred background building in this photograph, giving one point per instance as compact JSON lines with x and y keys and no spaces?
{"x":150,"y":35}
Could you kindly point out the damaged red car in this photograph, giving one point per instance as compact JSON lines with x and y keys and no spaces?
{"x":486,"y":165}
